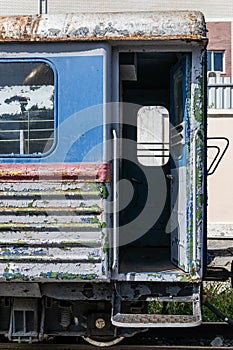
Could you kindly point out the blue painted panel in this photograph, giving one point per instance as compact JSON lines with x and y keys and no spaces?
{"x":80,"y":89}
{"x":183,"y":67}
{"x":79,"y":97}
{"x":80,"y":83}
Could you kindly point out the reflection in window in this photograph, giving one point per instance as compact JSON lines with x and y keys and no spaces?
{"x":26,"y":108}
{"x":153,"y":136}
{"x":177,"y":130}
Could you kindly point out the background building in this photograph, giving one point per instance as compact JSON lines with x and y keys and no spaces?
{"x":214,"y":10}
{"x":220,"y":123}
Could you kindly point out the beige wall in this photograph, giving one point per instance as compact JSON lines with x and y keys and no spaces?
{"x":220,"y":184}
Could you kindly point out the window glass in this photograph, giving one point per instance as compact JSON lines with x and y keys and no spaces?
{"x":153,"y":136}
{"x":208,"y":60}
{"x":215,"y":61}
{"x":177,"y":130}
{"x":218,"y":61}
{"x":26,"y":108}
{"x":178,"y":99}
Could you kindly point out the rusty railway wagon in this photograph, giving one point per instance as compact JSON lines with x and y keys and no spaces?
{"x":102,"y":173}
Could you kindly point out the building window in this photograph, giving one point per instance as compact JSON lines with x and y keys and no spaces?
{"x":153,"y":135}
{"x":215,"y":61}
{"x":26,"y":108}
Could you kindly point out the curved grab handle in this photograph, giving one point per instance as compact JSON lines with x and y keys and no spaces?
{"x":217,"y":159}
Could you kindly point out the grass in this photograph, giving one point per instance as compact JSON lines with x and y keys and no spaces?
{"x":218,"y":294}
{"x":171,"y":308}
{"x":221,"y":296}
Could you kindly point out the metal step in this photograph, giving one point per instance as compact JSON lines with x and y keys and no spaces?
{"x":150,"y":321}
{"x":142,"y":320}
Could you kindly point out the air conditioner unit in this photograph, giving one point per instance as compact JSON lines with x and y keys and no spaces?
{"x":214,"y":74}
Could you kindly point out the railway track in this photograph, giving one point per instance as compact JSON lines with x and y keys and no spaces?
{"x":165,"y":339}
{"x":118,"y":347}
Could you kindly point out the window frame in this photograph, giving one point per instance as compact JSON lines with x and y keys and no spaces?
{"x":55,"y":104}
{"x":158,"y":153}
{"x":212,"y":52}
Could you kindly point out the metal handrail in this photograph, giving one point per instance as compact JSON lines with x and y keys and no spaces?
{"x":29,"y":131}
{"x":115,"y":236}
{"x":194,"y":197}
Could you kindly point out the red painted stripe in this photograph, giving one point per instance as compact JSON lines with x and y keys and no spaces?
{"x":80,"y":172}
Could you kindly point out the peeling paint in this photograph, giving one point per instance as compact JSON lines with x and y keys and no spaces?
{"x":101,"y":26}
{"x":36,"y":97}
{"x":78,"y":172}
{"x":54,"y":226}
{"x":39,"y":272}
{"x":68,"y":276}
{"x":160,"y":277}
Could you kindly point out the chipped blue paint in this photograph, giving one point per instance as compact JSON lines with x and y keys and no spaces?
{"x":66,"y":243}
{"x":67,"y":276}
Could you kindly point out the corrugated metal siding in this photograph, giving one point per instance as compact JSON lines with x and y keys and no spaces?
{"x":220,"y":93}
{"x":16,"y":7}
{"x":51,"y":229}
{"x":214,"y":8}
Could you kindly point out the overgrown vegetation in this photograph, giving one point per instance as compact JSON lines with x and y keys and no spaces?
{"x":218,"y":294}
{"x":221,"y":296}
{"x":171,"y":308}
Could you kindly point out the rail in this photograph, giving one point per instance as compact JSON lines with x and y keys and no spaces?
{"x":119,"y":347}
{"x":29,"y":133}
{"x":195,"y":196}
{"x":115,"y":236}
{"x":220,"y":93}
{"x":175,"y":338}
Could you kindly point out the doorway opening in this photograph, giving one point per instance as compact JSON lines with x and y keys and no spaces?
{"x":148,"y":94}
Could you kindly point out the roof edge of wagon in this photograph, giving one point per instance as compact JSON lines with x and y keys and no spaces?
{"x":160,"y":25}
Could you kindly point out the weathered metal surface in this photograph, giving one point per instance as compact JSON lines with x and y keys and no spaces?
{"x":78,"y":172}
{"x":20,"y":289}
{"x":159,"y":277}
{"x":104,"y":26}
{"x":52,"y":229}
{"x":142,"y":320}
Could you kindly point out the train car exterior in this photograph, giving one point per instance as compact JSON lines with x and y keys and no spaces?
{"x":102,"y":173}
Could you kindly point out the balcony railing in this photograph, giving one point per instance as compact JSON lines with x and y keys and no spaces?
{"x":220,"y":93}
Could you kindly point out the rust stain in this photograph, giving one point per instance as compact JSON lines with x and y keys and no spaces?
{"x":18,"y":27}
{"x":78,"y":172}
{"x":167,"y":25}
{"x":136,"y":37}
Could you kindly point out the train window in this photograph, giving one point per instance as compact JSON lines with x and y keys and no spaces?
{"x":26,"y":108}
{"x":153,"y":135}
{"x":177,"y":132}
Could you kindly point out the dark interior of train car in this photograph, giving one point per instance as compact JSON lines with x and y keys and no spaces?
{"x":144,"y":220}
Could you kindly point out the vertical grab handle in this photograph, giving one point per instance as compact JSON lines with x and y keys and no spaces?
{"x":115,"y":236}
{"x":195,"y":197}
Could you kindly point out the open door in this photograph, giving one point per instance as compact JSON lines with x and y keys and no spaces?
{"x":154,"y":193}
{"x":179,"y":145}
{"x":145,"y":166}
